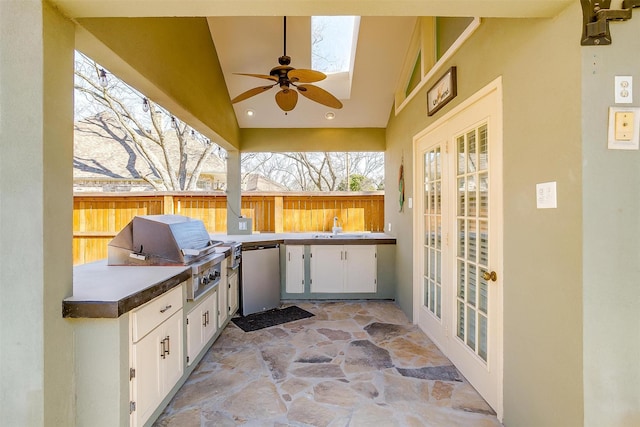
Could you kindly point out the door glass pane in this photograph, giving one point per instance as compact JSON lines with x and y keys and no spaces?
{"x":462,"y":167}
{"x":461,"y":238}
{"x":462,"y":283}
{"x":462,"y":196}
{"x":471,"y":285}
{"x":426,"y":292}
{"x":483,"y":295}
{"x":483,"y":195}
{"x":482,"y":337}
{"x":472,"y":161}
{"x":472,"y":245}
{"x":483,"y":148}
{"x":484,"y":243}
{"x":461,"y":317}
{"x":472,"y":199}
{"x":471,"y":328}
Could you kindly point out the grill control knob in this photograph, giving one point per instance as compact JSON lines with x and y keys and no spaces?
{"x":205,"y":280}
{"x":212,"y":276}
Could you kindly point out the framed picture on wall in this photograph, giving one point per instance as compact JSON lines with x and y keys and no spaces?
{"x":442,"y":92}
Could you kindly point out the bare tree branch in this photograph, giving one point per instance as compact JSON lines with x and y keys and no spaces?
{"x":146,"y":130}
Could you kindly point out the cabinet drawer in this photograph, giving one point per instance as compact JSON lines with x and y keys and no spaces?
{"x":146,"y":318}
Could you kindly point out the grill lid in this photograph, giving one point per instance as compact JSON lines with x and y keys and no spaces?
{"x":161,"y":240}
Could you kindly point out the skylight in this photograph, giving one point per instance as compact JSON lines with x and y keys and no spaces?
{"x":333,"y":42}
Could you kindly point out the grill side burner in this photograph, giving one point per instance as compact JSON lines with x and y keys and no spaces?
{"x":170,"y":240}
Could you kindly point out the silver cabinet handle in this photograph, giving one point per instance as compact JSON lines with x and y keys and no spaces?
{"x":165,"y":347}
{"x":162,"y":310}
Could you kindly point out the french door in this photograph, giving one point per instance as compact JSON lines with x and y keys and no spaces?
{"x":457,"y":280}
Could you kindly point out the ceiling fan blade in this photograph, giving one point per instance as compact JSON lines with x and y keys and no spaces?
{"x":319,"y":95}
{"x":250,"y":93}
{"x":287,"y":99}
{"x":306,"y":76}
{"x":260,"y":76}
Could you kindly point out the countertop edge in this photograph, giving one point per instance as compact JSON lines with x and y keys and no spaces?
{"x":114,"y":309}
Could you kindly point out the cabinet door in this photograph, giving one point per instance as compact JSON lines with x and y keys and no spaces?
{"x":295,"y":269}
{"x":233,"y":293}
{"x":210,"y":315}
{"x":327,"y":268}
{"x":147,"y":386}
{"x":172,"y":365}
{"x":195,"y":333}
{"x":360,"y":268}
{"x":202,"y":324}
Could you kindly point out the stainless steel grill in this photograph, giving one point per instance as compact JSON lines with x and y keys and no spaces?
{"x":156,"y":240}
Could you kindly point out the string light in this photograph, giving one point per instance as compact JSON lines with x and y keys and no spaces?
{"x":102,"y":77}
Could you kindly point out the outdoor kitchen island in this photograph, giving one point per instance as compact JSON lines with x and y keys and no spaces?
{"x":138,"y":336}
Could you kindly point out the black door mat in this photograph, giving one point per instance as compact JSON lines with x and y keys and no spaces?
{"x":277,"y":316}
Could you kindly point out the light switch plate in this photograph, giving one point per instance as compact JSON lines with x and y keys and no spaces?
{"x":621,"y":136}
{"x":624,"y":89}
{"x":546,"y":196}
{"x":624,"y":126}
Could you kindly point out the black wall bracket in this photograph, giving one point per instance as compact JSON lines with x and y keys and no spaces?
{"x":596,"y":15}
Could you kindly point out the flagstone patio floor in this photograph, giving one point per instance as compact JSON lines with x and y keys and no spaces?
{"x":352,"y":364}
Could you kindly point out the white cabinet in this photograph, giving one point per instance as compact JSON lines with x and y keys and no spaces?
{"x":157,"y":357}
{"x":360,"y":268}
{"x":202,"y":324}
{"x":233,"y":291}
{"x":294,"y":283}
{"x":343,"y":268}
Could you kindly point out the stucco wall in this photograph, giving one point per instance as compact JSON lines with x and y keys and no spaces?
{"x":36,"y":116}
{"x":611,"y":188}
{"x":539,"y":61}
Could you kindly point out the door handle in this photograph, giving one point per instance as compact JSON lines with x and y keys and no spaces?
{"x":490,"y":276}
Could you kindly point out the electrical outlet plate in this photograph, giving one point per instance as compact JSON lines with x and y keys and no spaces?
{"x":546,"y":195}
{"x":624,"y":89}
{"x":618,"y":139}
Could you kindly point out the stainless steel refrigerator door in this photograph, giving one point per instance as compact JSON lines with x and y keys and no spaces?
{"x":260,"y":285}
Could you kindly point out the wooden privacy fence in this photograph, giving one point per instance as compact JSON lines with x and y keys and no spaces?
{"x":98,"y":217}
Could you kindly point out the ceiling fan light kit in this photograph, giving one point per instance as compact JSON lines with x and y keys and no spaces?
{"x":291,"y":81}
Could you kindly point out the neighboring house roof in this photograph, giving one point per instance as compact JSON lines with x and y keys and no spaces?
{"x":103,"y":151}
{"x":257,"y":182}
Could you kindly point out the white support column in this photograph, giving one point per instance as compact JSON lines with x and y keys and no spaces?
{"x":36,"y":151}
{"x":234,"y":192}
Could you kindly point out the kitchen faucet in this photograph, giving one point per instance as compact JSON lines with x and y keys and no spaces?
{"x":335,"y":228}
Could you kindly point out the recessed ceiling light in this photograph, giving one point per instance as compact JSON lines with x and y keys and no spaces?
{"x":250,"y":113}
{"x":330,"y":115}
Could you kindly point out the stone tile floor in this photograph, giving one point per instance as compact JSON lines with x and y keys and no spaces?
{"x":352,"y":364}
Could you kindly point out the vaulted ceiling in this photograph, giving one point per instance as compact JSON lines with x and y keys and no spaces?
{"x":247,"y":38}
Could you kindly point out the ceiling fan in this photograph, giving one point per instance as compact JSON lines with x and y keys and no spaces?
{"x":291,"y":81}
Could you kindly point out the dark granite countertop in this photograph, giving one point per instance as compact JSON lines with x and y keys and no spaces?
{"x":104,"y":291}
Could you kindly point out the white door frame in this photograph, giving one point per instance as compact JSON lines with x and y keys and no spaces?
{"x":495,"y":85}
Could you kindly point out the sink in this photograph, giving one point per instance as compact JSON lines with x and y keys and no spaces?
{"x":338,"y":236}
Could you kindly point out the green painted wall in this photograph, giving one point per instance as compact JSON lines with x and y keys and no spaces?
{"x":611,"y":265}
{"x":36,"y":151}
{"x":193,"y":87}
{"x":540,"y":64}
{"x":321,"y":139}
